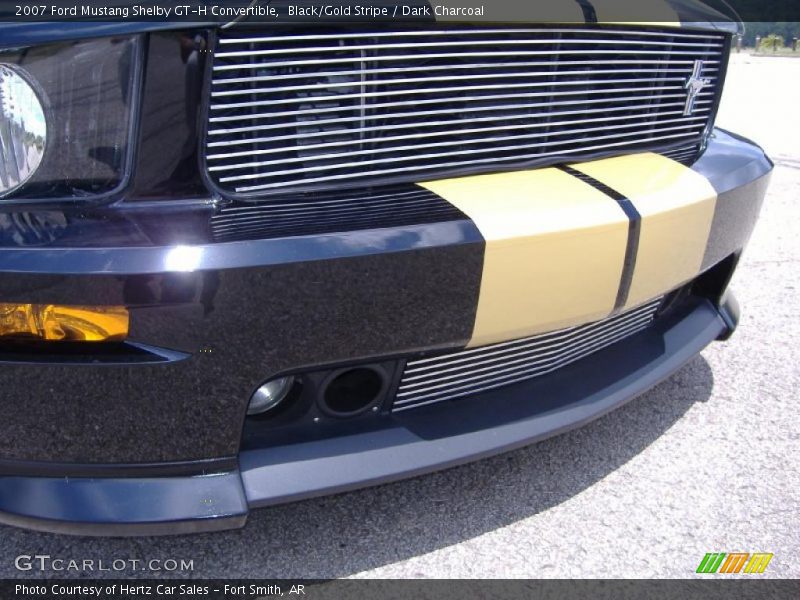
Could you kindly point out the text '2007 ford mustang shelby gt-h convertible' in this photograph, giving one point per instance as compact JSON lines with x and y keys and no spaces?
{"x":250,"y":264}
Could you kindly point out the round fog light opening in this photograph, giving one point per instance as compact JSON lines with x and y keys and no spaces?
{"x":22,"y":127}
{"x":270,"y":395}
{"x":352,"y":392}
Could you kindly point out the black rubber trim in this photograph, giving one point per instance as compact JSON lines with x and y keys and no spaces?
{"x":634,"y":231}
{"x":730,"y":312}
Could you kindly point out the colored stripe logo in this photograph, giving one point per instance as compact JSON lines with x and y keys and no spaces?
{"x":734,"y":562}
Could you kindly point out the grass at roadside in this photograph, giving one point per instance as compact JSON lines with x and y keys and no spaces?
{"x":785,"y":52}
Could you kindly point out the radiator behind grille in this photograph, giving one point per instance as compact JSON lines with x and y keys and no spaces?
{"x":307,"y":109}
{"x":430,"y":380}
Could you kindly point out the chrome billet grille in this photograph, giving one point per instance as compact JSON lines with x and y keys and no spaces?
{"x":445,"y":377}
{"x":294,"y":110}
{"x":684,"y":154}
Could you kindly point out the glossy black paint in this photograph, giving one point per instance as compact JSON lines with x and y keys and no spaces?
{"x":369,"y":294}
{"x":168,"y":239}
{"x":168,"y":162}
{"x":739,"y":171}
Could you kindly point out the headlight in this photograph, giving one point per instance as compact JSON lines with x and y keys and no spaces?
{"x":82,"y":96}
{"x":23,"y":131}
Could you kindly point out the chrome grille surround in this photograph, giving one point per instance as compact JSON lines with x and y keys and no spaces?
{"x":301,"y":110}
{"x":465,"y":372}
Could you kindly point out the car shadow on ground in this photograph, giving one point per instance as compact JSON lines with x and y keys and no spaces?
{"x":342,"y":535}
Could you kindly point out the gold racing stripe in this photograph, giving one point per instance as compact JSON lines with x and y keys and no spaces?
{"x":676,"y":205}
{"x":555,"y":248}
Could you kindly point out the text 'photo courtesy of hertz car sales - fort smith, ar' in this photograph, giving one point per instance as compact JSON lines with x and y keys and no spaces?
{"x":248,"y":264}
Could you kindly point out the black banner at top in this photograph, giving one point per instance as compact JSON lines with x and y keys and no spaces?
{"x":509,"y":11}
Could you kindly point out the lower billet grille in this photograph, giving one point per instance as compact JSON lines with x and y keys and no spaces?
{"x":351,"y":210}
{"x":466,"y":372}
{"x":305,"y":109}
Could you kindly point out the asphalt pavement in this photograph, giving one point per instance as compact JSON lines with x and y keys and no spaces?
{"x":705,"y":462}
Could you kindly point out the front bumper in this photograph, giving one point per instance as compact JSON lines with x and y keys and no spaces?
{"x":428,"y":440}
{"x":149,"y":441}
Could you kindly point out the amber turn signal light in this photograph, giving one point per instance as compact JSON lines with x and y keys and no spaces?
{"x":52,"y":322}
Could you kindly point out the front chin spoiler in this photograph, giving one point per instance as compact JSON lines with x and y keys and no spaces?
{"x":480,"y":426}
